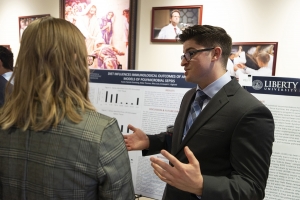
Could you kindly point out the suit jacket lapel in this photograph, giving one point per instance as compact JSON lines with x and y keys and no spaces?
{"x":182,"y":115}
{"x":214,"y":105}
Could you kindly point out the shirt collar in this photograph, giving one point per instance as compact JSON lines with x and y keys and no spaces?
{"x":7,"y":75}
{"x":215,"y":86}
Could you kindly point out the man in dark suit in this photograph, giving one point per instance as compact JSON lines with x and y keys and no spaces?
{"x":225,"y":153}
{"x":6,"y":68}
{"x":6,"y":63}
{"x":3,"y":82}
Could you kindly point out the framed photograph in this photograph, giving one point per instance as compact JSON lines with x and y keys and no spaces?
{"x":169,"y":22}
{"x":6,"y":46}
{"x":253,"y":58}
{"x":109,"y":28}
{"x":24,"y":21}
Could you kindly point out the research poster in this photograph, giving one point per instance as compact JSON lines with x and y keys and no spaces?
{"x":147,"y":100}
{"x":151,"y":100}
{"x":282,"y":96}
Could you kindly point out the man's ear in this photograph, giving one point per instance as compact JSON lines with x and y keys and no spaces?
{"x":217,"y":54}
{"x":1,"y":64}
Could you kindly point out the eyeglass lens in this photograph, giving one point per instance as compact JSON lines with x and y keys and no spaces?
{"x":187,"y":56}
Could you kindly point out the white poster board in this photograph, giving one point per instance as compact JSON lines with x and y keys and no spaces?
{"x":150,"y":101}
{"x":147,"y":100}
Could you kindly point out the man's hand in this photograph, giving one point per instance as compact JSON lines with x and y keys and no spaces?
{"x":138,"y":140}
{"x":241,"y":66}
{"x":186,"y":177}
{"x":235,"y":67}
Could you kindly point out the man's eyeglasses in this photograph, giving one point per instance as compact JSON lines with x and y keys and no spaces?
{"x":188,"y":55}
{"x":90,"y":59}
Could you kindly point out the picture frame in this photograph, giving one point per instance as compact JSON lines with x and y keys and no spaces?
{"x":117,"y":24}
{"x":24,"y":21}
{"x":165,"y":26}
{"x":258,"y":56}
{"x":6,"y":46}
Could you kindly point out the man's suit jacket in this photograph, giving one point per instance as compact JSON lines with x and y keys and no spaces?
{"x":3,"y":83}
{"x":232,"y":139}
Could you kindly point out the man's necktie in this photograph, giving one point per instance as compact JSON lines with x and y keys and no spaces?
{"x":195,"y":111}
{"x":176,"y":35}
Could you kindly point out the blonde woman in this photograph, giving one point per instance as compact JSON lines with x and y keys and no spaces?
{"x":53,"y":144}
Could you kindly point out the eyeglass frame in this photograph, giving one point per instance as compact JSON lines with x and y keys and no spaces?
{"x":192,"y":53}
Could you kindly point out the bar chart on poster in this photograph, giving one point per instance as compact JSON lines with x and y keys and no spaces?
{"x":119,"y":97}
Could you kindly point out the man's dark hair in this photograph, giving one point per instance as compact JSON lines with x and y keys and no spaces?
{"x":209,"y":36}
{"x":7,"y":58}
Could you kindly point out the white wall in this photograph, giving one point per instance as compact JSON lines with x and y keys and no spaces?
{"x":10,"y":10}
{"x":244,"y":20}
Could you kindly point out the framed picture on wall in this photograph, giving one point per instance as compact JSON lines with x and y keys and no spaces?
{"x":169,"y":22}
{"x":254,"y":58}
{"x":24,"y":21}
{"x":109,"y":28}
{"x":6,"y":46}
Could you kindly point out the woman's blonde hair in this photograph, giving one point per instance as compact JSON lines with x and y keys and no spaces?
{"x":50,"y":78}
